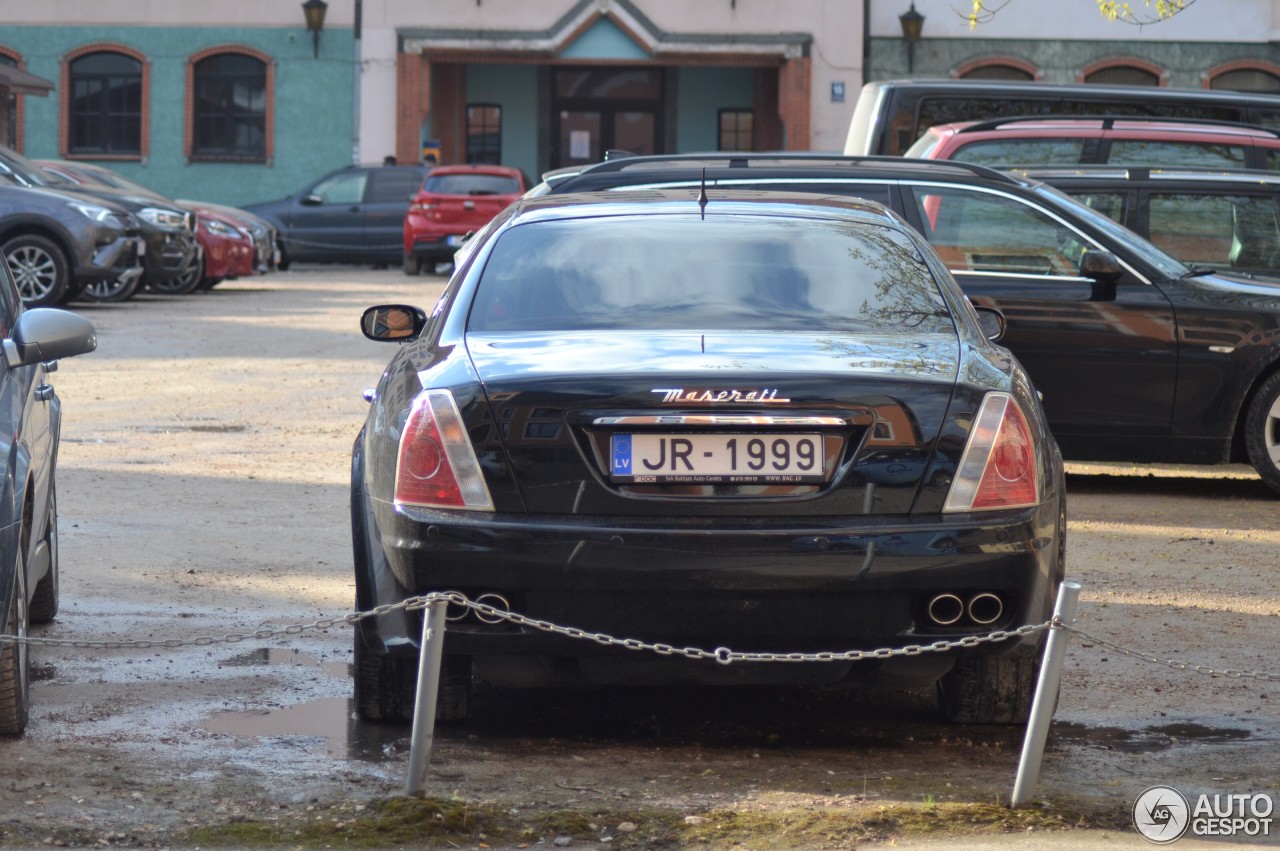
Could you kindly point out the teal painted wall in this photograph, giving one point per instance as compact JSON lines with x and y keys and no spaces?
{"x":515,"y":89}
{"x":700,"y":94}
{"x":313,"y":105}
{"x":604,"y":41}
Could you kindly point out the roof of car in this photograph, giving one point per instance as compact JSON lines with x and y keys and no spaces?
{"x":476,"y":168}
{"x":1086,"y":125}
{"x":719,"y":166}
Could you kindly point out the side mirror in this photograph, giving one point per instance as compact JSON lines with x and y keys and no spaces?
{"x":312,"y":200}
{"x":992,"y":322}
{"x":393,"y":323}
{"x":47,"y":334}
{"x":1101,"y":266}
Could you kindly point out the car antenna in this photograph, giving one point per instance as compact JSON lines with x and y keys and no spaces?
{"x":702,"y":194}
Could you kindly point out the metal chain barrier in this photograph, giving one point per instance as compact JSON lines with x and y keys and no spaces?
{"x":1172,"y":663}
{"x":722,"y":655}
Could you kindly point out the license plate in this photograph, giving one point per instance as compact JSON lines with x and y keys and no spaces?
{"x":716,"y":458}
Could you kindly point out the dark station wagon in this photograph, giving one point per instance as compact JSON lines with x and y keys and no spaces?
{"x":1140,"y":357}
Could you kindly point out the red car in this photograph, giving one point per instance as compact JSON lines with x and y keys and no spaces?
{"x":227,"y":247}
{"x":454,"y":201}
{"x":1147,"y":141}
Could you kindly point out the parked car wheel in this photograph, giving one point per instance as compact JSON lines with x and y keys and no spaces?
{"x":412,"y":265}
{"x":184,"y":284}
{"x":110,"y":291}
{"x":192,"y":276}
{"x":39,"y":268}
{"x":15,"y":662}
{"x":989,"y":689}
{"x":44,"y":601}
{"x":386,"y":686}
{"x":1262,"y":432}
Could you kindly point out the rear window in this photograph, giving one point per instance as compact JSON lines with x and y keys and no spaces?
{"x":682,"y":273}
{"x":472,"y":184}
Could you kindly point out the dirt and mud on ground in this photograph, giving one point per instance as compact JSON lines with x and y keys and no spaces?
{"x":203,"y":492}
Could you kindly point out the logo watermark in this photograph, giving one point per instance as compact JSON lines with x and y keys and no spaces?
{"x":1162,"y":815}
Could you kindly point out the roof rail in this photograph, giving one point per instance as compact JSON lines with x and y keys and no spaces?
{"x":1108,"y":121}
{"x":782,"y":159}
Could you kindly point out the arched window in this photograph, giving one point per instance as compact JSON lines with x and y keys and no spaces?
{"x":997,"y":72}
{"x":1123,"y":75}
{"x":104,"y":110}
{"x":230,"y":106}
{"x":1247,"y":80}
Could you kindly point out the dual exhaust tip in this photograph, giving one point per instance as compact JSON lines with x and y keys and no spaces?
{"x":948,"y":609}
{"x":455,"y":612}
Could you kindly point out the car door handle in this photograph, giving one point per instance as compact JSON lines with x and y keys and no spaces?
{"x":44,"y":392}
{"x":353,"y":209}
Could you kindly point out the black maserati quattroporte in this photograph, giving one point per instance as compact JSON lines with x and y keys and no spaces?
{"x":768,"y":422}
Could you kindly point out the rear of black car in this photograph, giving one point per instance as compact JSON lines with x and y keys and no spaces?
{"x":744,"y":426}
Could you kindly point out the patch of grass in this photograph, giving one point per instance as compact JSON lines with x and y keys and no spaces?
{"x":413,"y":823}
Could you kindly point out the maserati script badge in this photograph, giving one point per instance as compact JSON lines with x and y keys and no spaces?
{"x":681,"y":396}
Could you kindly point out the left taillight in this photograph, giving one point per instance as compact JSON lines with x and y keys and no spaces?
{"x":436,"y":466}
{"x":999,"y":467}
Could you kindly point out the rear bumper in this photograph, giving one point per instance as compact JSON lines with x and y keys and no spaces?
{"x":822,"y":587}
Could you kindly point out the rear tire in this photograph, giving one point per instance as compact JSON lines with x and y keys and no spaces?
{"x":989,"y":689}
{"x":1262,"y":432}
{"x":39,"y":268}
{"x":386,"y":686}
{"x":15,"y":663}
{"x":412,"y":265}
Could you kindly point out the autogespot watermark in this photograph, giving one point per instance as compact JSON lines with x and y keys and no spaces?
{"x":1162,"y":815}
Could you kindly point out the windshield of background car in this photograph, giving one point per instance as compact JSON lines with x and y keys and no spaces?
{"x":728,"y":273}
{"x":1168,"y":266}
{"x":472,"y":184}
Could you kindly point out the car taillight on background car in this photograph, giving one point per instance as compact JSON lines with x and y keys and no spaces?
{"x":436,"y":466}
{"x":998,"y":468}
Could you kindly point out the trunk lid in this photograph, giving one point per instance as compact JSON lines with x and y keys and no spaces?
{"x":748,"y":424}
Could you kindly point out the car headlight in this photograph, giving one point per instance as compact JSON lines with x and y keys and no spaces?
{"x":163,"y":218}
{"x":94,"y":211}
{"x":222,"y":229}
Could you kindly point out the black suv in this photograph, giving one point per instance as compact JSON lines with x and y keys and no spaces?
{"x":1223,"y":219}
{"x":57,"y":243}
{"x":1140,"y":357}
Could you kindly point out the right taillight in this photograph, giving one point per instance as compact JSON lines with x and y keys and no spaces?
{"x":998,"y":468}
{"x":436,"y":466}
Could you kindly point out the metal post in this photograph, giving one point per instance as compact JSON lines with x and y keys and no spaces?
{"x":1046,"y":699}
{"x":424,"y":707}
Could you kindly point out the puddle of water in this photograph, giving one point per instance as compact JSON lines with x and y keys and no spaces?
{"x":332,"y":719}
{"x":1146,"y":740}
{"x":280,"y":656}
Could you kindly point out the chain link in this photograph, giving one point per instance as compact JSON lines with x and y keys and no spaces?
{"x":1172,"y":663}
{"x":722,"y":655}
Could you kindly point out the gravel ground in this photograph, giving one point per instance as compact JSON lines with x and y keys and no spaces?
{"x":203,"y":492}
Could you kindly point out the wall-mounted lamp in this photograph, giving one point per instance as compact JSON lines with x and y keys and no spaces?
{"x":313,"y":11}
{"x":912,"y":25}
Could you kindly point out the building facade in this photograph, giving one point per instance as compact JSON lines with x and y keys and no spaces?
{"x":237,"y":101}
